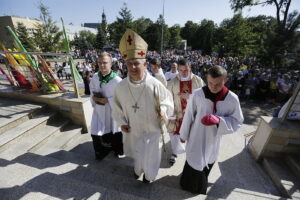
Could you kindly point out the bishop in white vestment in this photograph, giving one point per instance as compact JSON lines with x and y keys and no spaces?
{"x":135,"y":105}
{"x":140,"y":105}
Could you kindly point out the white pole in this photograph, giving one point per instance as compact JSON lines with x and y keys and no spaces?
{"x":162,"y":31}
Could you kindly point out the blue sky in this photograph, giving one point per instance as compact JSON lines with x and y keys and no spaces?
{"x":176,"y":11}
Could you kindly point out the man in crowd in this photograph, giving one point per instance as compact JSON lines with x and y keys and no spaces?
{"x":105,"y":132}
{"x":172,"y":73}
{"x":180,"y":87}
{"x":141,"y":105}
{"x":157,"y":71}
{"x":212,"y":112}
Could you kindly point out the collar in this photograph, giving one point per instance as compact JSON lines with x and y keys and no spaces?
{"x":107,"y":78}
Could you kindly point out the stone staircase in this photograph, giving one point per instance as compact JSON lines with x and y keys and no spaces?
{"x":44,"y":156}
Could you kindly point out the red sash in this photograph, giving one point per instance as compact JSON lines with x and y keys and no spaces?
{"x":185,"y":87}
{"x":220,"y":96}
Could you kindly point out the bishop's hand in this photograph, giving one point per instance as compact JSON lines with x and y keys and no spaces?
{"x":125,"y":128}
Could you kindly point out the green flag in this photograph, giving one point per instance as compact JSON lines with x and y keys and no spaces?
{"x":68,"y":50}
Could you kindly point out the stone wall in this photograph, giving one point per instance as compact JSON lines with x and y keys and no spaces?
{"x":79,"y":110}
{"x":274,"y":137}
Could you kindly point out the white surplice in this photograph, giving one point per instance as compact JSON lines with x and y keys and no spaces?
{"x":102,"y":121}
{"x":203,"y":142}
{"x":143,"y":143}
{"x":161,"y":77}
{"x":170,"y":75}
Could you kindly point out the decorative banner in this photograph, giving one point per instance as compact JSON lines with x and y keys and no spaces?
{"x":77,"y":76}
{"x":34,"y":66}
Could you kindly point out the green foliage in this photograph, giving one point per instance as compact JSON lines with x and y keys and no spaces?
{"x":285,"y":35}
{"x":204,"y":36}
{"x":84,"y":41}
{"x":238,"y":38}
{"x":47,"y":36}
{"x":24,"y":37}
{"x":140,"y":25}
{"x":175,"y":38}
{"x":101,"y":37}
{"x":188,"y":32}
{"x":153,"y":35}
{"x":118,"y":28}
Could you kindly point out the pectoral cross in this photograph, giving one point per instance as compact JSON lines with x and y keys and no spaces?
{"x":135,"y":107}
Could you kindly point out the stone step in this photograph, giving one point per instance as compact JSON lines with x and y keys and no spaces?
{"x":48,"y":176}
{"x":14,"y":112}
{"x":15,"y":134}
{"x":54,"y":130}
{"x":287,"y":183}
{"x":35,"y":139}
{"x":293,"y":161}
{"x":75,"y":142}
{"x":61,"y":138}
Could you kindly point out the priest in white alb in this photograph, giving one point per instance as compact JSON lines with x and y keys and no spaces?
{"x":212,"y":112}
{"x":157,"y":71}
{"x":181,"y":87}
{"x":141,"y":106}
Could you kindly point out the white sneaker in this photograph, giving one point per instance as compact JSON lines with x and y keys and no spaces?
{"x":173,"y":159}
{"x":122,"y":156}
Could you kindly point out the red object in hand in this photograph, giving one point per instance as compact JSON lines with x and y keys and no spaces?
{"x":209,"y":120}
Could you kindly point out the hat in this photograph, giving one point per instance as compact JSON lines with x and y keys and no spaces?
{"x":132,"y":45}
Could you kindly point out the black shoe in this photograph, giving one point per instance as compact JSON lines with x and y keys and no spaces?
{"x":135,"y":176}
{"x":145,"y":180}
{"x":99,"y":156}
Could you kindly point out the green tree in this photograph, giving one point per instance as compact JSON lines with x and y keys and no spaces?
{"x":118,"y":28}
{"x":141,"y":24}
{"x":47,"y":36}
{"x":153,"y":35}
{"x":175,"y":38}
{"x":286,"y":37}
{"x":203,"y":39}
{"x":188,"y":32}
{"x":263,"y":28}
{"x":84,"y":41}
{"x":237,"y":36}
{"x":101,"y":37}
{"x":24,"y":37}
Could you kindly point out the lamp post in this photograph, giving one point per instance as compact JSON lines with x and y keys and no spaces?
{"x":162,"y":31}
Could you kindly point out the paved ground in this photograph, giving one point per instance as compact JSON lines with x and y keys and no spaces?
{"x":234,"y":176}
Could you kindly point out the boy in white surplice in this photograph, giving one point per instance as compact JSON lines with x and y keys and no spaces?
{"x":212,"y":112}
{"x":106,"y":134}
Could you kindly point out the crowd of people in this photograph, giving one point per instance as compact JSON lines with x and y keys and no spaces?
{"x":246,"y":77}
